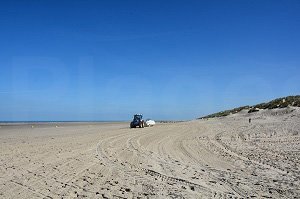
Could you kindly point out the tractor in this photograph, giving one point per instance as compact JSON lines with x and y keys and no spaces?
{"x":137,"y":121}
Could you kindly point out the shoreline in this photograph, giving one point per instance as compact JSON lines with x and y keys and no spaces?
{"x":41,"y":124}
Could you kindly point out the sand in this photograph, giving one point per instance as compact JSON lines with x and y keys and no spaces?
{"x":216,"y":158}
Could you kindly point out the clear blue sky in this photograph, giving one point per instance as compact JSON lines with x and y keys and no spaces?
{"x":106,"y":60}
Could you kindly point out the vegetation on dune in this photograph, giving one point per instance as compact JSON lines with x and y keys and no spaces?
{"x":225,"y":113}
{"x":276,"y":103}
{"x":280,"y":103}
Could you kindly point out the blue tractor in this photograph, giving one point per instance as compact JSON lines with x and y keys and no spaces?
{"x":137,"y":121}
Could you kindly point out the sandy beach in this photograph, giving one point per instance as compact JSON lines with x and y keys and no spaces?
{"x":210,"y":158}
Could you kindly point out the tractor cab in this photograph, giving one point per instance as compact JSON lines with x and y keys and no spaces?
{"x":138,"y":117}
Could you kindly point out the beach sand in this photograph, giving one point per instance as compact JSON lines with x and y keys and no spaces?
{"x":215,"y":158}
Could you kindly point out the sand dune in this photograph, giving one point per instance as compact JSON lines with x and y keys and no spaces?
{"x":216,"y":158}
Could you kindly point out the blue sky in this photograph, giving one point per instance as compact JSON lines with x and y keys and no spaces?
{"x":106,"y":60}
